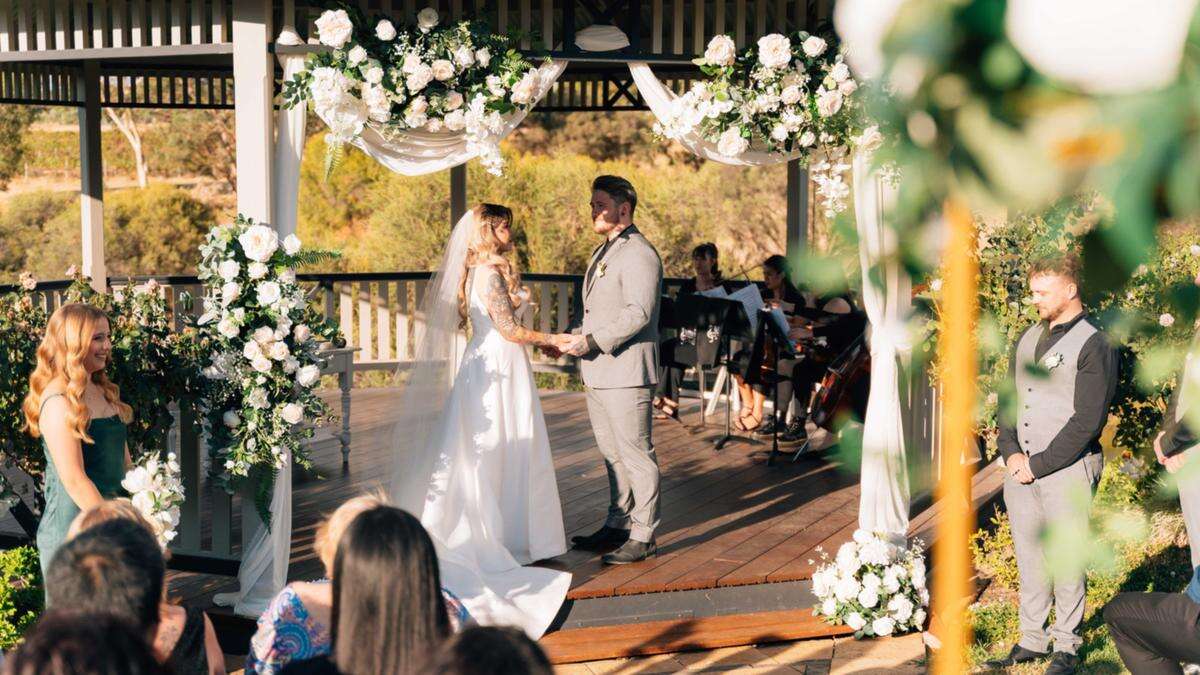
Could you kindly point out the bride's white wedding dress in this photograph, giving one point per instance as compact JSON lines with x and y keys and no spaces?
{"x":492,"y":504}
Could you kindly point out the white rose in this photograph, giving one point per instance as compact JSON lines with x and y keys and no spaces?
{"x":328,"y":86}
{"x":871,"y":580}
{"x":228,"y":327}
{"x":829,"y":607}
{"x":918,"y":618}
{"x":495,"y":85}
{"x":231,"y":419}
{"x":356,"y":55}
{"x":257,"y":398}
{"x":301,"y":333}
{"x":251,"y":350}
{"x":308,"y":375}
{"x":259,"y":242}
{"x":847,"y":589}
{"x":288,"y":276}
{"x":262,"y":364}
{"x":412,"y":61}
{"x":427,"y":19}
{"x":379,"y":104}
{"x":434,"y":125}
{"x":464,"y":57}
{"x":292,"y":413}
{"x":256,"y":270}
{"x":848,"y":87}
{"x":143,"y":501}
{"x":268,"y":293}
{"x":868,"y":597}
{"x":839,"y":72}
{"x":264,"y":336}
{"x":455,"y":120}
{"x":721,"y":51}
{"x":855,"y":621}
{"x":524,"y":90}
{"x":791,"y":95}
{"x":891,"y":583}
{"x":442,"y":70}
{"x":869,"y":140}
{"x":290,"y":364}
{"x":813,"y":46}
{"x":901,"y":608}
{"x":384,"y":30}
{"x":228,"y":270}
{"x":137,"y":480}
{"x":418,"y":106}
{"x":279,"y":351}
{"x":731,"y":143}
{"x":454,"y":100}
{"x":876,"y":552}
{"x":483,"y":57}
{"x":829,"y":102}
{"x":374,"y":75}
{"x":883,"y":626}
{"x":1195,"y":249}
{"x":345,"y":118}
{"x":807,"y":138}
{"x":1166,"y":320}
{"x":291,"y":244}
{"x":334,"y":28}
{"x":230,"y":292}
{"x":779,"y":133}
{"x":774,"y":50}
{"x":420,"y":77}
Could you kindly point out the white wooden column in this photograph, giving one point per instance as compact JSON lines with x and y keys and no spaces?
{"x":91,"y":192}
{"x":458,"y":193}
{"x":253,"y":89}
{"x":797,"y":210}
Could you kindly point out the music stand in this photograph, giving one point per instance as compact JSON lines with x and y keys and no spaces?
{"x":734,"y":324}
{"x":769,"y":330}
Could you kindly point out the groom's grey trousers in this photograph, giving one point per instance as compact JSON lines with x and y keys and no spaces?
{"x":621,"y":422}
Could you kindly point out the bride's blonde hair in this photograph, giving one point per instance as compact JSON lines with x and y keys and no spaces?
{"x":61,"y":355}
{"x":484,"y":248}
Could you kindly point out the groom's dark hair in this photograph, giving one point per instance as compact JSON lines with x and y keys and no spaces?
{"x":619,"y":189}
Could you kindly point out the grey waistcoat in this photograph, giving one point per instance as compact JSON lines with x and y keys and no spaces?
{"x":1046,"y":403}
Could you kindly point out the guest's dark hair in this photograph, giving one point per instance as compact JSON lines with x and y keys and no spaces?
{"x":1065,"y":265}
{"x":779,"y":265}
{"x":709,"y":250}
{"x":115,"y":567}
{"x":491,"y":650}
{"x":80,"y":643}
{"x":619,"y":189}
{"x":388,"y":611}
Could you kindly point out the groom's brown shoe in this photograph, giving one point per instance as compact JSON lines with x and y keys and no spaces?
{"x":606,"y":538}
{"x":632,"y":551}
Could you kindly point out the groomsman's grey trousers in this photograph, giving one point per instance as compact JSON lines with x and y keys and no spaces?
{"x":621,"y":422}
{"x":1189,"y":503}
{"x":1060,"y":499}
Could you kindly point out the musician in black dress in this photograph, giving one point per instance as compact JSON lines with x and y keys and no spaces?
{"x":675,"y":355}
{"x":780,"y":293}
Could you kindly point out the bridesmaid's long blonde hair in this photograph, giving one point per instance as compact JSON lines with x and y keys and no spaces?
{"x":61,"y":355}
{"x":484,"y":248}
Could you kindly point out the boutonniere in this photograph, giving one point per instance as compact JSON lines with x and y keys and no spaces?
{"x":601,"y":269}
{"x":1052,"y":361}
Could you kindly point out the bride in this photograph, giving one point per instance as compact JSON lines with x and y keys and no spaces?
{"x":473,"y":458}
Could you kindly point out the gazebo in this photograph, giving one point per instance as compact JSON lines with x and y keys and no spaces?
{"x":726,"y":580}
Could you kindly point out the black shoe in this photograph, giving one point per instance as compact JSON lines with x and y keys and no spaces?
{"x":1018,"y":655}
{"x":1062,"y":663}
{"x":603,"y":539}
{"x":796,"y":432}
{"x":768,"y":426}
{"x":630,"y":552}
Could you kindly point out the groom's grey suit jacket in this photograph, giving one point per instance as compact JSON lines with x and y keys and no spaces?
{"x":621,"y":292}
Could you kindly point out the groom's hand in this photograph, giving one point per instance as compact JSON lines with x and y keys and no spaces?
{"x":575,"y":345}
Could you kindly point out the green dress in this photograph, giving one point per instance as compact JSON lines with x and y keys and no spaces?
{"x":103,"y":462}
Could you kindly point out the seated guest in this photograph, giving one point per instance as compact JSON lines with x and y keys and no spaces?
{"x":389,"y":614}
{"x":1154,"y":632}
{"x":781,"y":294}
{"x":115,"y":567}
{"x":296,"y":625}
{"x":185,"y":639}
{"x":64,"y":642}
{"x":676,"y":356}
{"x":78,"y":414}
{"x":490,"y":650}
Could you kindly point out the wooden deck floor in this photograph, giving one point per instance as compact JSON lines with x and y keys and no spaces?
{"x":727,"y":518}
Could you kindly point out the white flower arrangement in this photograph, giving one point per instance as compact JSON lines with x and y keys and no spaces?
{"x":262,"y":341}
{"x":456,"y":78}
{"x":873,"y":586}
{"x":785,"y":94}
{"x":156,"y":491}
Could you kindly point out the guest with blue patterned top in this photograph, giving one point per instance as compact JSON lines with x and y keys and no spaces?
{"x":296,"y":625}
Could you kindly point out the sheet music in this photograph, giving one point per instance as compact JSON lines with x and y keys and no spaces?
{"x":781,"y":321}
{"x":751,"y":299}
{"x":714,"y":292}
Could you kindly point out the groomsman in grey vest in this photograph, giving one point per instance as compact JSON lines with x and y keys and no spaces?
{"x":1173,"y":445}
{"x":617,"y":342}
{"x":1064,"y":372}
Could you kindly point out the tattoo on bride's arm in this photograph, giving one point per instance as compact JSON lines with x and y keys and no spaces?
{"x":501,"y":310}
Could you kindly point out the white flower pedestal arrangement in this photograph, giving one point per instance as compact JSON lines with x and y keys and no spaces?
{"x":873,"y":586}
{"x":156,"y":490}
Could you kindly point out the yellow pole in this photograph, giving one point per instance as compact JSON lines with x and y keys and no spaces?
{"x":956,"y":354}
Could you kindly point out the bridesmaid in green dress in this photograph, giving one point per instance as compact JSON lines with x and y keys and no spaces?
{"x":78,"y":414}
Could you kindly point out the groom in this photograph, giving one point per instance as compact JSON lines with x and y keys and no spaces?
{"x":617,"y":343}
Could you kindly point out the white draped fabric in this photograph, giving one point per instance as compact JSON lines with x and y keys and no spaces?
{"x":416,"y":153}
{"x":887,"y":298}
{"x":659,"y":98}
{"x":263,"y":571}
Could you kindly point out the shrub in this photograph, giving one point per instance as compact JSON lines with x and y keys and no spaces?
{"x":993,"y":553}
{"x":21,"y":594}
{"x":22,"y":223}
